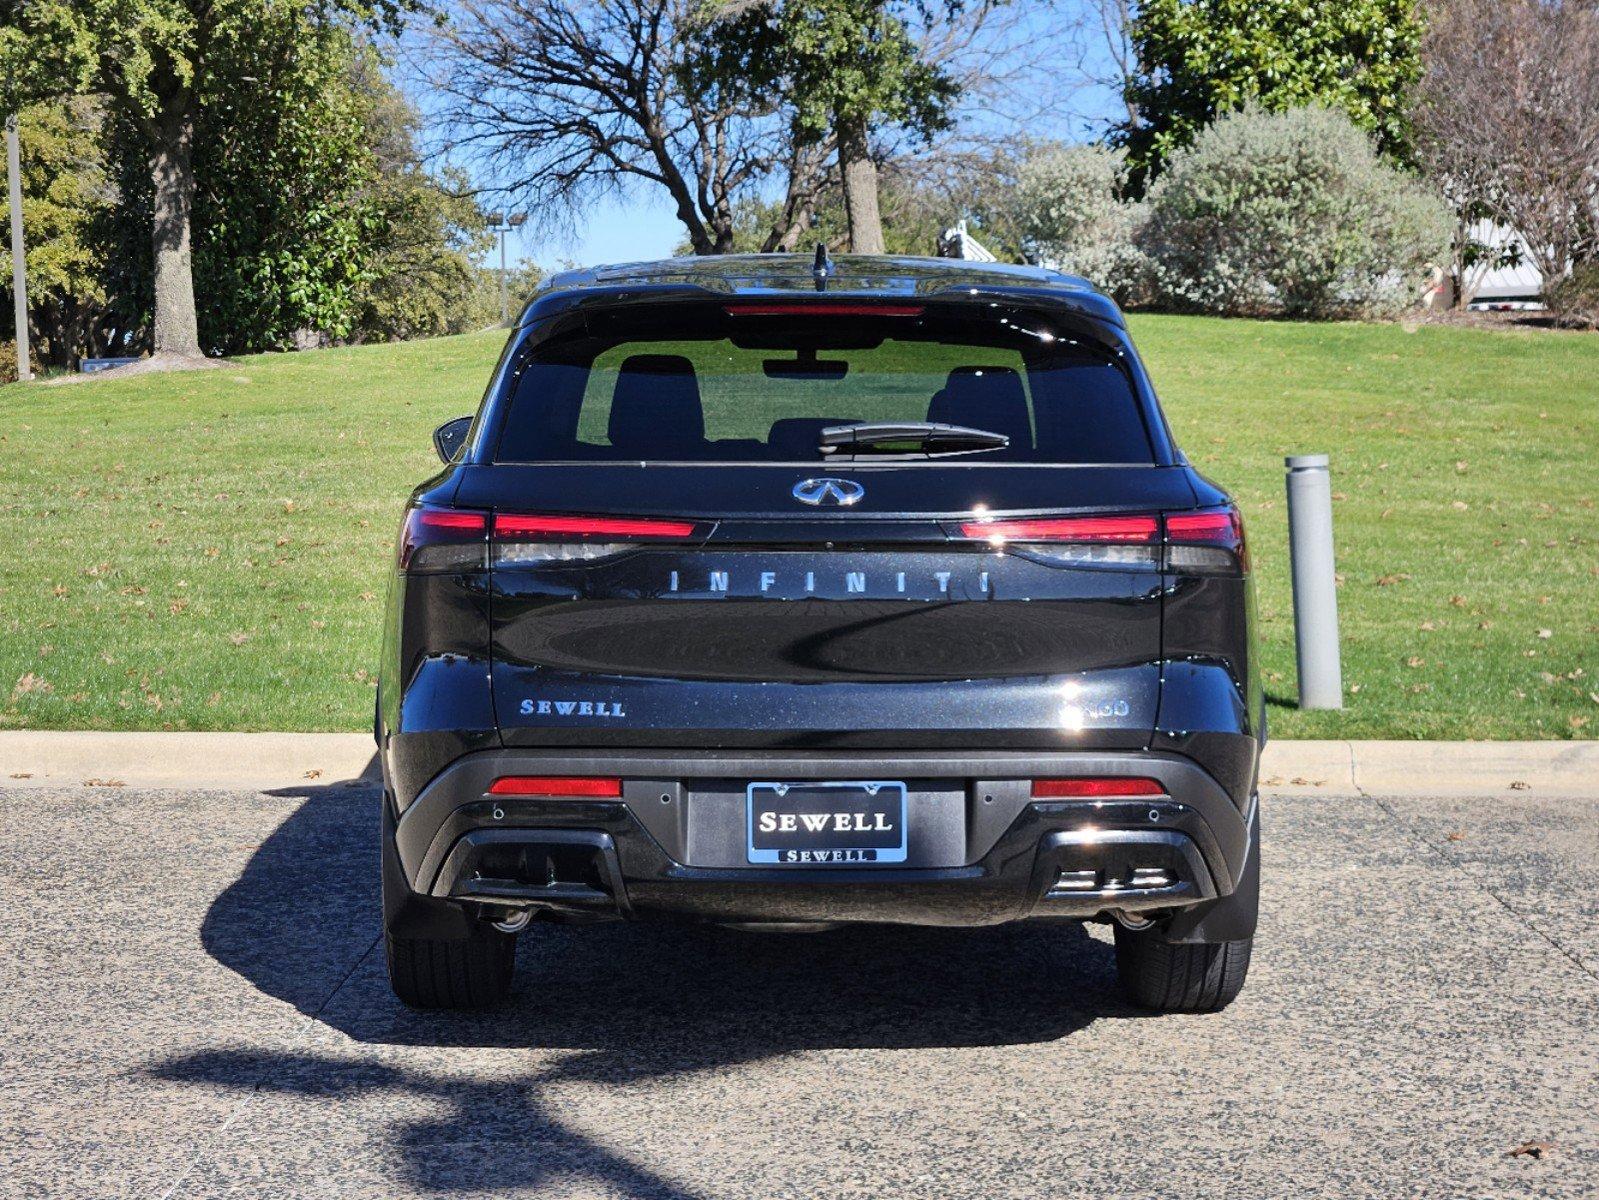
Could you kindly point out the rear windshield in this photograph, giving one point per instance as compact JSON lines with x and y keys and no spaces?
{"x":724,"y":385}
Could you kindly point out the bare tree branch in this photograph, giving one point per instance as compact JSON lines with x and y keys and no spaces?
{"x":560,"y":103}
{"x":1507,"y":120}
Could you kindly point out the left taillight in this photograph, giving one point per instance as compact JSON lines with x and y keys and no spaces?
{"x":443,"y":539}
{"x":535,"y":538}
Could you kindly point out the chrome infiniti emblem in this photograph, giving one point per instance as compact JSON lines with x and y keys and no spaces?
{"x":836,"y":492}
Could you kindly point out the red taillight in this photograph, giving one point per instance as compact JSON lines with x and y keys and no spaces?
{"x":1055,"y":789}
{"x":459,"y":533}
{"x":539,"y":527}
{"x":435,"y":518}
{"x":824,"y":310}
{"x":1222,"y":528}
{"x":555,"y":785}
{"x":1217,"y":527}
{"x":1137,"y":529}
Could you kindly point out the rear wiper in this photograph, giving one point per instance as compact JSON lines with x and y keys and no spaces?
{"x":919,"y":439}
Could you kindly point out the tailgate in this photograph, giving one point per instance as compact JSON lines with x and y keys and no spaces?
{"x":881,"y":627}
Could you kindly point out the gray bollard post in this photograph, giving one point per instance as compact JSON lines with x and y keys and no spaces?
{"x":1310,"y":540}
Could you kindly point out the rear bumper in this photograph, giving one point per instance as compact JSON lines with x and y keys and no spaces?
{"x":982,"y":850}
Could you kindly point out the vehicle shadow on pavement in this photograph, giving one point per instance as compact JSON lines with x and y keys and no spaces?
{"x":301,"y":923}
{"x":611,"y":1006}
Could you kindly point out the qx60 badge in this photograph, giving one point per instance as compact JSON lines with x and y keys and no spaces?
{"x":838,"y":493}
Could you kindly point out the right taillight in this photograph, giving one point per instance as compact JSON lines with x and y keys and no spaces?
{"x":1209,"y":540}
{"x":443,"y":539}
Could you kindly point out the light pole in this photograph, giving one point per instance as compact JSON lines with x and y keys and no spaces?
{"x":502,"y":225}
{"x":19,"y":268}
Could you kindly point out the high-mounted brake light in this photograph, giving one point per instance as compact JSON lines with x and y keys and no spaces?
{"x":1136,"y":529}
{"x":822,"y":309}
{"x":542,"y":527}
{"x":556,"y":785}
{"x":1056,"y":789}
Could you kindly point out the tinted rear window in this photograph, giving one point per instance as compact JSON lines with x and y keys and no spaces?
{"x":699,"y":385}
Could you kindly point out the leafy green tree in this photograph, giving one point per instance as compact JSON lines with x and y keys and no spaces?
{"x":421,"y":276}
{"x":159,"y":64}
{"x":1198,"y":59}
{"x":844,"y":68}
{"x":65,"y":201}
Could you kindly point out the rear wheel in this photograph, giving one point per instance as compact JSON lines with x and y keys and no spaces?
{"x":465,"y":972}
{"x":1178,"y":977}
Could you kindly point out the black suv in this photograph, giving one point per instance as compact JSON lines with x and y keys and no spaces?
{"x":782,"y":592}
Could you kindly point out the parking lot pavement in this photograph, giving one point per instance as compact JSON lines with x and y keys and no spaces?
{"x":194,"y":1006}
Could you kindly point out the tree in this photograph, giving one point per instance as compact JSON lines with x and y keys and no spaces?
{"x":1507,"y":119}
{"x":561,"y":102}
{"x":845,"y":67}
{"x":65,"y":203}
{"x":420,"y":277}
{"x":158,"y":64}
{"x":1197,"y":59}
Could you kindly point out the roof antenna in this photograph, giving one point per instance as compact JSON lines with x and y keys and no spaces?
{"x":823,"y":267}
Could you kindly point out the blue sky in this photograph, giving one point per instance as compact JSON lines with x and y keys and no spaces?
{"x":642,"y":225}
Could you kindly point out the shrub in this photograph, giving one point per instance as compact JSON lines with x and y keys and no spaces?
{"x":1290,"y":214}
{"x":1574,"y":300}
{"x":1069,"y":214}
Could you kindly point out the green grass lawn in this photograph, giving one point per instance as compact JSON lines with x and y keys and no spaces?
{"x":208,"y":550}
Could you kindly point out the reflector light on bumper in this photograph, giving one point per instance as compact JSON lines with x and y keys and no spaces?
{"x":556,"y":785}
{"x":1092,"y":788}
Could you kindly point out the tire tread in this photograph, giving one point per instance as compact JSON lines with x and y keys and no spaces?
{"x":458,"y":973}
{"x":1176,"y":977}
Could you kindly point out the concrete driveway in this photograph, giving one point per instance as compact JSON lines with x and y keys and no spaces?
{"x":194,"y":1005}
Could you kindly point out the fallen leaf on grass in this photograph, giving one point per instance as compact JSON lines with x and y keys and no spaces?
{"x":30,"y":682}
{"x":1530,"y":1150}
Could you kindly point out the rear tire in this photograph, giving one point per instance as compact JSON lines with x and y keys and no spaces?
{"x":464,"y":973}
{"x":1179,"y":977}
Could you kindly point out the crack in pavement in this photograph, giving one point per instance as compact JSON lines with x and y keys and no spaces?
{"x":1525,"y":919}
{"x":307,"y":1023}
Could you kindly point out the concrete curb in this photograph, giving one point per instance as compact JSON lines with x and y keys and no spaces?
{"x":234,"y":761}
{"x":266,"y":761}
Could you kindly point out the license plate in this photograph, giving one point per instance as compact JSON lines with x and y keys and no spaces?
{"x":826,"y":824}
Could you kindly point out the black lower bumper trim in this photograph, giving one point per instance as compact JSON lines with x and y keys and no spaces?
{"x":621,"y":858}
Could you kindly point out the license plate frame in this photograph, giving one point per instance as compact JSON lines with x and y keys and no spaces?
{"x":864,"y":843}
